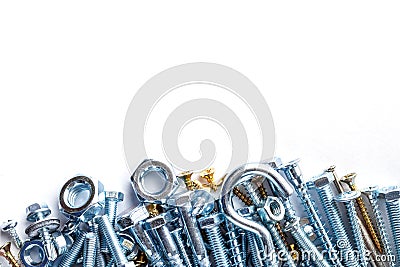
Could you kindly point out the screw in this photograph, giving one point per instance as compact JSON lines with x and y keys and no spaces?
{"x":325,"y":193}
{"x":208,"y":175}
{"x":141,"y":259}
{"x":347,"y":199}
{"x":153,"y":209}
{"x":159,"y":226}
{"x":111,"y":200}
{"x":239,"y":194}
{"x":336,"y":179}
{"x":391,"y":195}
{"x":262,"y":191}
{"x":89,"y":250}
{"x":294,"y":176}
{"x":9,"y":227}
{"x":210,"y":224}
{"x":42,"y":227}
{"x":190,"y":184}
{"x":234,"y":246}
{"x":5,"y":251}
{"x":111,"y":238}
{"x":349,"y":180}
{"x":372,"y":193}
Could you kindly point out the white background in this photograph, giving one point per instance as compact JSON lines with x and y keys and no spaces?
{"x":68,"y":71}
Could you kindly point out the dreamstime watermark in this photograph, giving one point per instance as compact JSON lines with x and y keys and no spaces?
{"x":197,"y":73}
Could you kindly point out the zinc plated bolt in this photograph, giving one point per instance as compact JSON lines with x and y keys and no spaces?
{"x":234,"y":246}
{"x":391,"y":195}
{"x":89,"y":250}
{"x":117,"y":253}
{"x":372,"y":193}
{"x":211,"y":225}
{"x":159,"y":226}
{"x":349,"y":179}
{"x":9,"y":227}
{"x":177,"y":235}
{"x":5,"y":251}
{"x":325,"y":193}
{"x":94,"y":227}
{"x":70,"y":257}
{"x":294,"y":176}
{"x":347,"y":198}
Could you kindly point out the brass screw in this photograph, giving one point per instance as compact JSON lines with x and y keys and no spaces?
{"x":262,"y":191}
{"x":208,"y":175}
{"x":190,"y":184}
{"x":6,"y":253}
{"x":153,"y":210}
{"x":141,"y":259}
{"x":245,"y":199}
{"x":349,"y":179}
{"x":282,"y":234}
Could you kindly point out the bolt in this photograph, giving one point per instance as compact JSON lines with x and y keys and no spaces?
{"x":159,"y":226}
{"x":89,"y":250}
{"x":325,"y":193}
{"x":5,"y":251}
{"x":94,"y":228}
{"x":9,"y":227}
{"x":42,"y":227}
{"x":294,"y":176}
{"x":239,"y":194}
{"x":349,"y":180}
{"x":111,"y":200}
{"x":234,"y":246}
{"x":187,"y":209}
{"x":111,"y":238}
{"x":177,"y":235}
{"x":347,"y":199}
{"x":372,"y":193}
{"x":210,"y":224}
{"x":70,"y":258}
{"x":391,"y":195}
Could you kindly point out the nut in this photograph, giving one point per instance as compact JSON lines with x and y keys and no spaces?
{"x":78,"y":194}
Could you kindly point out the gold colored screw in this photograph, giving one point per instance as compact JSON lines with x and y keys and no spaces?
{"x":6,"y":253}
{"x":190,"y":184}
{"x":245,"y":199}
{"x":141,"y":259}
{"x":282,"y":234}
{"x":262,"y":191}
{"x":153,"y":210}
{"x":208,"y":175}
{"x":349,"y":179}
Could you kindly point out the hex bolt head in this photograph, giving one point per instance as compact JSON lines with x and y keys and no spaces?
{"x":111,"y":195}
{"x":157,"y":222}
{"x":211,"y":221}
{"x":391,"y":193}
{"x":37,"y":211}
{"x":322,"y":182}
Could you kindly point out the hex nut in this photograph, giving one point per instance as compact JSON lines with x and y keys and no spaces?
{"x":78,"y":194}
{"x":274,"y":209}
{"x":211,"y":221}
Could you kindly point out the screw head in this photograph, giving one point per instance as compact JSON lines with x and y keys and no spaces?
{"x":322,"y":182}
{"x":347,"y":196}
{"x":211,"y":221}
{"x":34,"y":211}
{"x":207,"y":173}
{"x":390,"y":193}
{"x":349,"y":178}
{"x":117,"y":196}
{"x":9,"y":225}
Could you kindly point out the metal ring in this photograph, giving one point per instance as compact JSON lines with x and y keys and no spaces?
{"x":26,"y":257}
{"x":147,"y":166}
{"x":34,"y":229}
{"x":71,"y":188}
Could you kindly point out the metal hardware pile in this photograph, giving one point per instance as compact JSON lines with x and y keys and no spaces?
{"x":262,"y":214}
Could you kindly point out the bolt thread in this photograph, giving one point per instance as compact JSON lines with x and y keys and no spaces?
{"x":94,"y":227}
{"x":111,"y":238}
{"x":393,"y":212}
{"x":240,"y":195}
{"x":72,"y":255}
{"x":306,"y":245}
{"x":373,"y":199}
{"x":234,"y":246}
{"x":253,"y":249}
{"x":332,"y":213}
{"x":355,"y":229}
{"x":110,"y":209}
{"x":218,"y":250}
{"x":280,"y":245}
{"x":89,"y":250}
{"x":169,"y":246}
{"x":181,"y":248}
